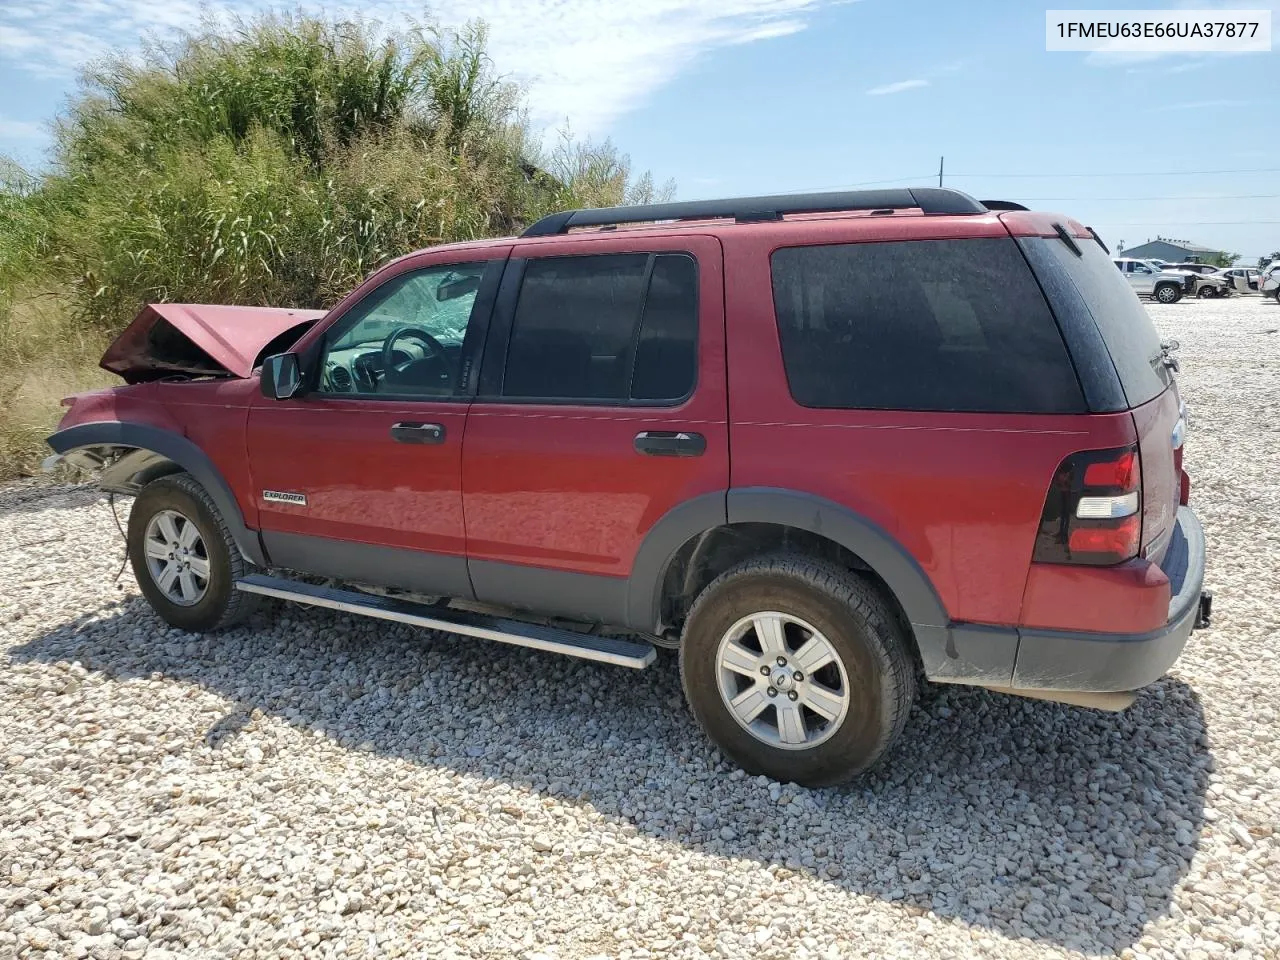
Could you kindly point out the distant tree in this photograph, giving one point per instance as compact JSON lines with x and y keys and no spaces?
{"x":1223,"y":259}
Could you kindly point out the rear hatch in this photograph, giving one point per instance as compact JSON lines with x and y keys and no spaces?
{"x":1118,"y":354}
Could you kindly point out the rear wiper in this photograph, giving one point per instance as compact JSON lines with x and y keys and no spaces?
{"x":1094,"y":233}
{"x":1066,"y":238}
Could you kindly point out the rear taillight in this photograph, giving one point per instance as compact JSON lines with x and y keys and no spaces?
{"x":1093,"y":513}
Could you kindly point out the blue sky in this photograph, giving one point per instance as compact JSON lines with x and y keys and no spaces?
{"x":751,"y":96}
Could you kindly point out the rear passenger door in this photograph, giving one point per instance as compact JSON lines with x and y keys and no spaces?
{"x":602,"y":406}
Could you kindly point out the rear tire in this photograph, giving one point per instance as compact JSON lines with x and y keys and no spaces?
{"x":1168,"y":293}
{"x":184,"y":557}
{"x":1206,"y":293}
{"x":787,"y":613}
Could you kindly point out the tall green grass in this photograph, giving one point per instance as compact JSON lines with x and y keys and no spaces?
{"x":275,"y":161}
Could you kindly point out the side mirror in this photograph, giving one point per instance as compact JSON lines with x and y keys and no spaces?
{"x":281,"y":376}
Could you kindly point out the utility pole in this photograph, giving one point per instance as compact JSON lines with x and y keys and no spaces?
{"x":941,"y":161}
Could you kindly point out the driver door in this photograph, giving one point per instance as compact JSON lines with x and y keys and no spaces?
{"x":359,"y":477}
{"x":1138,"y":275}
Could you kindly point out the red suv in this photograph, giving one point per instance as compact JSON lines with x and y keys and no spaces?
{"x":822,"y":444}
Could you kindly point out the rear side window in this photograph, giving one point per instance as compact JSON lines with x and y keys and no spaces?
{"x":613,"y":327}
{"x":666,"y":351}
{"x":1127,"y":331}
{"x":949,"y":325}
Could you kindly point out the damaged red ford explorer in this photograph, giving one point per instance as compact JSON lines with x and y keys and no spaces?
{"x":824,"y":445}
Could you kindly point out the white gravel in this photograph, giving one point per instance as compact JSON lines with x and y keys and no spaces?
{"x":321,"y":785}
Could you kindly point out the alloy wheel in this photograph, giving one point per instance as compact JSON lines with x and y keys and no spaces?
{"x":782,"y":680}
{"x":177,"y":558}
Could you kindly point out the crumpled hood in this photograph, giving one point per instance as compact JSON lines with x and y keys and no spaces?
{"x":202,"y":340}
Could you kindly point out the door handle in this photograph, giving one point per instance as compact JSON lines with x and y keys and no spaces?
{"x":409,"y":432}
{"x":670,"y":443}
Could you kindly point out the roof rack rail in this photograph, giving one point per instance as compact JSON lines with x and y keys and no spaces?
{"x":936,"y":200}
{"x":1002,"y":205}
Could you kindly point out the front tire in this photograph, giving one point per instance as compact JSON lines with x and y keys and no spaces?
{"x":1168,"y":293}
{"x":824,"y":641}
{"x":184,"y":557}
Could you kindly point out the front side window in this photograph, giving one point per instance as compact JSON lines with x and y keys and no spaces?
{"x":948,"y":325}
{"x":610,"y":328}
{"x":406,"y":338}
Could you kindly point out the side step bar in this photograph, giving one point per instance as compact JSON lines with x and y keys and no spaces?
{"x":622,"y":653}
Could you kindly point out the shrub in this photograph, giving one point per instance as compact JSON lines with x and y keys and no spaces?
{"x":275,"y":161}
{"x":280,"y":161}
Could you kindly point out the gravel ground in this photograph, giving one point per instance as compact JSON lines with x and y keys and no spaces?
{"x":322,"y":785}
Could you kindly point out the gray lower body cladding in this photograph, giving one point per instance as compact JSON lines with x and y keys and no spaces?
{"x":1054,"y":660}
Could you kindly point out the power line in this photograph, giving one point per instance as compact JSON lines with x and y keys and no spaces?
{"x":925,"y":177}
{"x":1123,"y":173}
{"x":1237,"y":196}
{"x":1184,"y":223}
{"x":861,"y":183}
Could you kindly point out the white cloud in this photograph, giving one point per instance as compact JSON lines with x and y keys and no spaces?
{"x":588,"y":60}
{"x":1205,"y":104}
{"x":898,"y":87}
{"x":22,"y":130}
{"x":1185,"y":60}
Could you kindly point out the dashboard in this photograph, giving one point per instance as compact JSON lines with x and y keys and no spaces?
{"x":358,"y":369}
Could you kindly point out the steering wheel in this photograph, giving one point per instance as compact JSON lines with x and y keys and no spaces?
{"x":434,"y":347}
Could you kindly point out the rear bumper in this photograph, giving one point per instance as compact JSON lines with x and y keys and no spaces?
{"x":1113,"y":662}
{"x":1091,"y":668}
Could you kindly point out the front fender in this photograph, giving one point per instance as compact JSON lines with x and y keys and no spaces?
{"x":152,"y":452}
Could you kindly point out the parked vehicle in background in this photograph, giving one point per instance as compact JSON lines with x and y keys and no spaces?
{"x":1208,"y":280}
{"x":1148,"y":280}
{"x":1269,"y":280}
{"x":820,"y":444}
{"x":1243,"y":279}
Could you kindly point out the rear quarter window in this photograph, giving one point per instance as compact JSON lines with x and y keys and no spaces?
{"x":946,"y":325}
{"x":1127,"y":333}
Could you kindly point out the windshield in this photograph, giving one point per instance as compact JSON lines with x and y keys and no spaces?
{"x":437,"y":300}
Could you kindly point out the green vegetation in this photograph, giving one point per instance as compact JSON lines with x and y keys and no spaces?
{"x":275,"y":162}
{"x":1223,"y":259}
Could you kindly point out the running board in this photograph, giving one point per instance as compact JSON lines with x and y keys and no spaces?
{"x":621,"y":653}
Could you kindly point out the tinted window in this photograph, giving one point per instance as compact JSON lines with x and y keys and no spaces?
{"x":613,"y":327}
{"x":666,"y":353}
{"x":956,"y":325}
{"x":1127,"y":331}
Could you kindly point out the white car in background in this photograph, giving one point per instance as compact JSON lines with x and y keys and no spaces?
{"x":1210,"y":281}
{"x":1244,"y":279}
{"x":1269,"y":280}
{"x":1148,"y":280}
